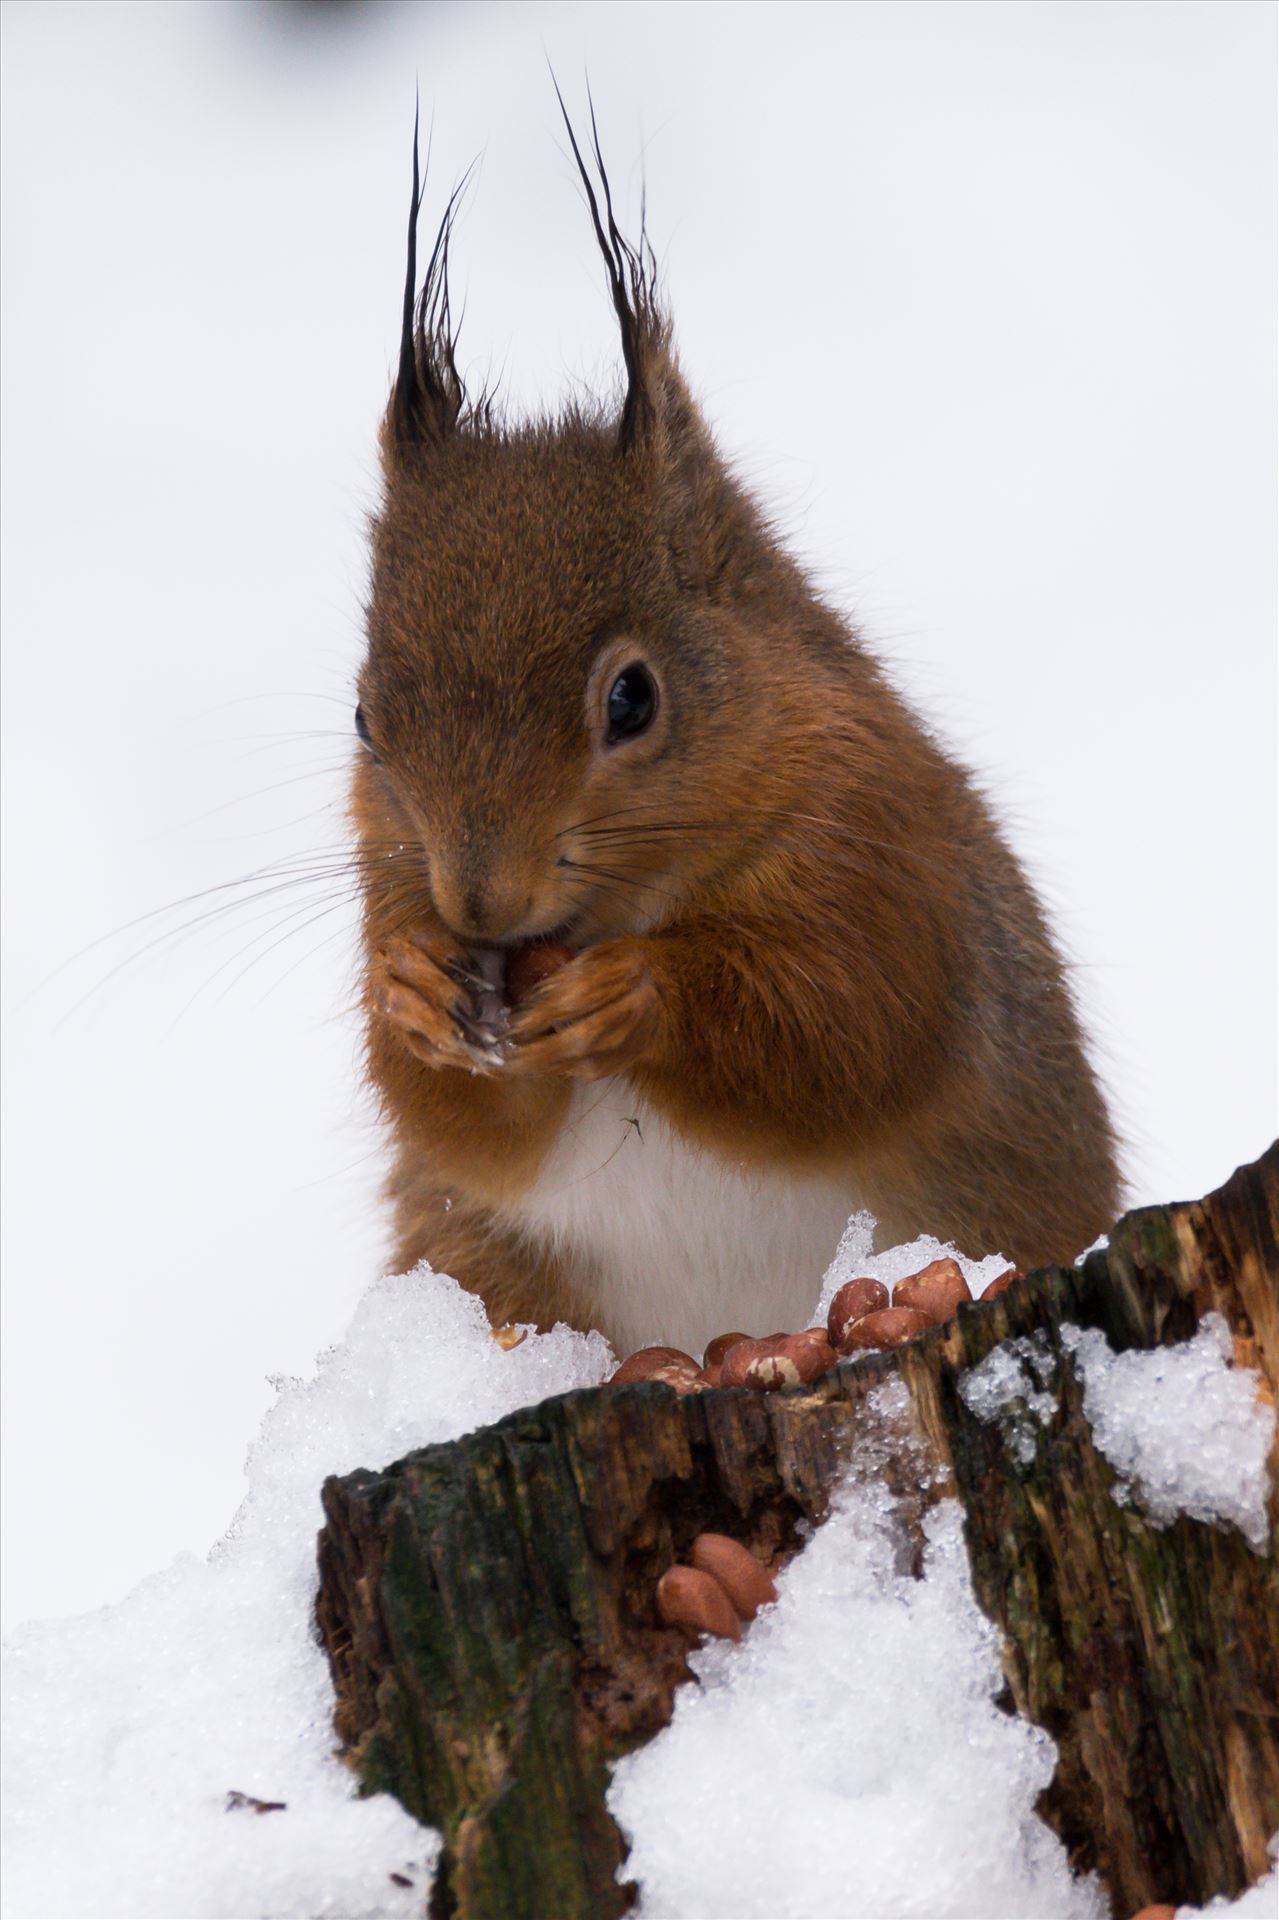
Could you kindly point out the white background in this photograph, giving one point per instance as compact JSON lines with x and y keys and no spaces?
{"x":982,"y":298}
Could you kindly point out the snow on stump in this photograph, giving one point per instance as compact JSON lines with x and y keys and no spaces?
{"x":488,"y":1606}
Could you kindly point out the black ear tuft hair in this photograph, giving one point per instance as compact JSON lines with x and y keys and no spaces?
{"x":632,"y":275}
{"x":430,"y":398}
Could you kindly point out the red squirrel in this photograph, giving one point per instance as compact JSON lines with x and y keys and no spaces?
{"x":604,"y":715}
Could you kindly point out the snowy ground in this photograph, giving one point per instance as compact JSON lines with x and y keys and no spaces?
{"x":848,"y":1759}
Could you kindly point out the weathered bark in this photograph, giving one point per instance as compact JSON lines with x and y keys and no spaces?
{"x":488,"y":1605}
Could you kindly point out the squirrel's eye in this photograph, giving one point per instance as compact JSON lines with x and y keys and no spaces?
{"x":362,"y":728}
{"x":632,"y":702}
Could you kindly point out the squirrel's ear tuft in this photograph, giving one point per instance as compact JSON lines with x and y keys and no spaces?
{"x":660,"y":419}
{"x":429,"y":399}
{"x":632,"y":278}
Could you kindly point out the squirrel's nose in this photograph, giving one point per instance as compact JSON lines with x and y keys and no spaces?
{"x":478,"y":905}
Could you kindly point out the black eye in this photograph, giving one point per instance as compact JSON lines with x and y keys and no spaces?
{"x":362,"y":728}
{"x":632,"y":702}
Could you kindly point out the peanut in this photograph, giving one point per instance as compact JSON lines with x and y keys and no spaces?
{"x":1150,"y":1913}
{"x":680,"y":1375}
{"x":528,"y":966}
{"x":645,"y":1363}
{"x":854,"y":1298}
{"x":509,"y":1336}
{"x":999,"y":1284}
{"x":696,"y":1602}
{"x":771,"y":1370}
{"x":718,"y":1347}
{"x":936,"y":1290}
{"x":890,"y":1327}
{"x":737,"y":1570}
{"x":810,"y":1353}
{"x":780,"y":1360}
{"x":740,"y":1357}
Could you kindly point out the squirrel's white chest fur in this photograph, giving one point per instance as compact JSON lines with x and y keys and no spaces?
{"x":681,"y":1244}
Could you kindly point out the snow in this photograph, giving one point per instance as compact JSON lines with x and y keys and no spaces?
{"x":1009,"y":1387}
{"x":849,"y":1758}
{"x":1182,"y":1426}
{"x":126,"y":1729}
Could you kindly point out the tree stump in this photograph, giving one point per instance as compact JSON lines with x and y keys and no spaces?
{"x":487,"y":1605}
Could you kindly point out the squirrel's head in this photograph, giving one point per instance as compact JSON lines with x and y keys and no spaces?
{"x":561,"y":693}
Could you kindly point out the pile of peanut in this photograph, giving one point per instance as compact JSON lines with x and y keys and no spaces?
{"x":724,"y":1585}
{"x":861,"y":1318}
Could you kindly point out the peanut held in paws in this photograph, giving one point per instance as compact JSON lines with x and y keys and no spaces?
{"x":589,"y":1021}
{"x":528,"y":966}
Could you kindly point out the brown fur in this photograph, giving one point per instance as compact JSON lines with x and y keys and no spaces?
{"x":802,"y":938}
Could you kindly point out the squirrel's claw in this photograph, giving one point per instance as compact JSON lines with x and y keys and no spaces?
{"x":420,"y":994}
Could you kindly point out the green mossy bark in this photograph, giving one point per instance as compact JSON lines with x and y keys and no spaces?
{"x":488,"y":1611}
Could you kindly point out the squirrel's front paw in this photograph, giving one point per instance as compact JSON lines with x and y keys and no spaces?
{"x":423,"y":986}
{"x":595,"y":1017}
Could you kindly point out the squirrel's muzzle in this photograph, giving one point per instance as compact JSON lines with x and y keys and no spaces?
{"x":482,"y":895}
